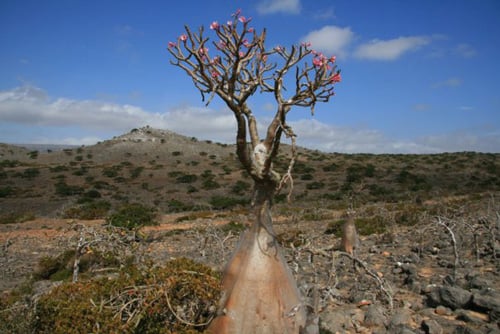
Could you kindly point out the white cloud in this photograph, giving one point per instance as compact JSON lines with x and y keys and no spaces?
{"x":390,"y":49}
{"x":331,"y":138}
{"x":29,"y":113}
{"x":279,"y":6}
{"x":421,"y":107}
{"x":465,"y":50}
{"x":465,"y":140}
{"x":451,"y":82}
{"x":330,"y":39}
{"x":31,"y":106}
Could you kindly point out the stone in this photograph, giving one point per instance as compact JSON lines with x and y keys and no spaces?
{"x":489,"y":302}
{"x":443,"y":310}
{"x":431,"y":326}
{"x":374,"y":316}
{"x":449,"y":296}
{"x":470,"y":316}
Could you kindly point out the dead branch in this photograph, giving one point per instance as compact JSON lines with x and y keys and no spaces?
{"x":330,"y":254}
{"x":448,"y":229}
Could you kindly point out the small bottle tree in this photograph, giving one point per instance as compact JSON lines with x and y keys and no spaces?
{"x":261,"y":295}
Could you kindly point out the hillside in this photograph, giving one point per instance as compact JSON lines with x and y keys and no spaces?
{"x":176,"y":173}
{"x":428,"y":261}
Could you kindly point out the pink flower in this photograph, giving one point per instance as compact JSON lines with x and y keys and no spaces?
{"x":215,"y":74}
{"x":229,"y":23}
{"x":214,"y":25}
{"x":336,"y":78}
{"x":237,"y":13}
{"x":246,"y":43}
{"x":317,"y":61}
{"x":332,"y":59}
{"x":241,"y":54}
{"x":221,"y":45}
{"x":251,"y":30}
{"x":243,"y":19}
{"x":216,"y":60}
{"x":172,"y":45}
{"x":183,"y":37}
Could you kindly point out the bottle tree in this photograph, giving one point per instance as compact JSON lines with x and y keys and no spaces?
{"x":233,"y":63}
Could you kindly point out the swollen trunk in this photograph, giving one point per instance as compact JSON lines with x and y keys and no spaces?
{"x":261,"y":295}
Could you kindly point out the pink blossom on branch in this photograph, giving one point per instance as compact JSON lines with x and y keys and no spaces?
{"x":243,"y":19}
{"x":172,"y":44}
{"x":183,"y":37}
{"x":336,"y":78}
{"x":214,"y":25}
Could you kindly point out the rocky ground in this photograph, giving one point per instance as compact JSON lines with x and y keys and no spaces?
{"x":407,"y":280}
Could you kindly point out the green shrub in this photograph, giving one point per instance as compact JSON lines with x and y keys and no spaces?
{"x":33,"y":154}
{"x":186,"y":178}
{"x":371,"y":225}
{"x":112,"y":171}
{"x":306,"y":177}
{"x":63,"y":189}
{"x":136,"y":172}
{"x":315,"y":185}
{"x":88,"y":210}
{"x":9,"y":163}
{"x":240,"y":187}
{"x":15,"y":217}
{"x":223,"y":202}
{"x":178,"y":206}
{"x":55,"y":268}
{"x":335,"y":227}
{"x":6,"y":191}
{"x":135,"y":302}
{"x":233,"y":227}
{"x":132,"y":216}
{"x":30,"y":173}
{"x":210,"y":184}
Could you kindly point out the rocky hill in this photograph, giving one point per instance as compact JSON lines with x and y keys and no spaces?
{"x":428,"y":261}
{"x":172,"y":172}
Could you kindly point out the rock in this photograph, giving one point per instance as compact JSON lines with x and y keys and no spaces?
{"x":374,"y":316}
{"x":477,"y":282}
{"x":431,"y":326}
{"x":470,"y":316}
{"x":489,"y":302}
{"x":442,"y":310}
{"x":341,"y":319}
{"x":401,"y":317}
{"x":465,"y":330}
{"x":449,"y":296}
{"x":400,"y":329}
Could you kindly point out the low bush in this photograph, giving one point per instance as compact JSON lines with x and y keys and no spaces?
{"x":6,"y":191}
{"x":88,"y":210}
{"x":132,"y":216}
{"x":15,"y":217}
{"x":63,"y":189}
{"x":180,"y":297}
{"x":223,"y":202}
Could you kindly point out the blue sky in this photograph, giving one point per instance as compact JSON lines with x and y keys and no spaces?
{"x":418,"y":76}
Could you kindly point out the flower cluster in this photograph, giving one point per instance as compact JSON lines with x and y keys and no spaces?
{"x":321,"y":61}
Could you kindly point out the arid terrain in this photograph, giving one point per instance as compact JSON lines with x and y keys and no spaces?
{"x":428,"y":259}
